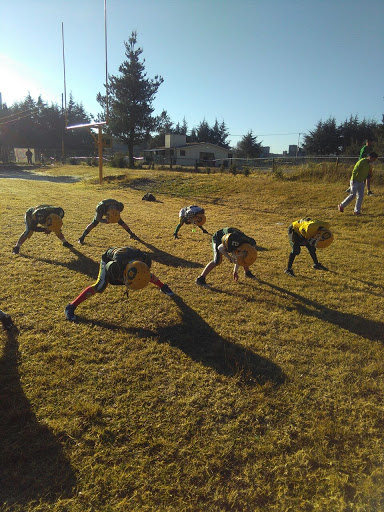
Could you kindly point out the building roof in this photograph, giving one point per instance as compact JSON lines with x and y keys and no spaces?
{"x":188,"y":145}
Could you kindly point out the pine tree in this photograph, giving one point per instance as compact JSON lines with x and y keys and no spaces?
{"x":325,"y":139}
{"x":248,"y":147}
{"x":131,"y":95}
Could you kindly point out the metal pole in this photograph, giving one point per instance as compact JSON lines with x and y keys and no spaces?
{"x":106,"y":63}
{"x":65,"y":86}
{"x":100,"y":146}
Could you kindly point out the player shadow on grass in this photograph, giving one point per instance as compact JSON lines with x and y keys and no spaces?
{"x":198,"y":340}
{"x":369,"y":329}
{"x":168,"y":259}
{"x":378,"y":287}
{"x":83,"y":264}
{"x":33,"y":465}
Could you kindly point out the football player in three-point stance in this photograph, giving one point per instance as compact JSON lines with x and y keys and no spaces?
{"x":191,"y":215}
{"x":311,"y":234}
{"x":45,"y":219}
{"x":237,"y":247}
{"x":120,"y":266}
{"x":107,"y":212}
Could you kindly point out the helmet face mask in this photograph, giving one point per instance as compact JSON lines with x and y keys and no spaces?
{"x":54,"y":223}
{"x":199,"y":219}
{"x":323,"y":238}
{"x":112,"y":216}
{"x":136,"y":275}
{"x":245,"y":255}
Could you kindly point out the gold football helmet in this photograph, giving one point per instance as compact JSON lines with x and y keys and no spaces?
{"x":136,"y":275}
{"x":54,"y":223}
{"x":245,"y":255}
{"x":112,"y":216}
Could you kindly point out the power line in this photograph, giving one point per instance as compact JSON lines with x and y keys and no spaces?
{"x":266,"y":134}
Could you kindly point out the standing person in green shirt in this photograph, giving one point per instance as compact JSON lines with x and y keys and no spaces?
{"x":364,"y":152}
{"x":359,"y":175}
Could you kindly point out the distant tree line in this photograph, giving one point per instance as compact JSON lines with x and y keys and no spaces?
{"x":36,"y":124}
{"x":330,"y":138}
{"x":131,"y":120}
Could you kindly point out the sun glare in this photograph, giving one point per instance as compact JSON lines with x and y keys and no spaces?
{"x":17,"y":80}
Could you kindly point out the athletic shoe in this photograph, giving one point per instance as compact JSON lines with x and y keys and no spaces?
{"x":356,"y":213}
{"x":290,"y":272}
{"x":67,"y":244}
{"x":369,"y":193}
{"x":16,"y":250}
{"x":201,"y":281}
{"x":166,"y":289}
{"x":340,"y":208}
{"x":81,"y":241}
{"x":319,"y":266}
{"x":250,"y":275}
{"x":70,"y":313}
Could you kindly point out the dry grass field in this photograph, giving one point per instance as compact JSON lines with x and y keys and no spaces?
{"x":261,"y":395}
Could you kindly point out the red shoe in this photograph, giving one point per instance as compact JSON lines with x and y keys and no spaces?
{"x":340,"y":208}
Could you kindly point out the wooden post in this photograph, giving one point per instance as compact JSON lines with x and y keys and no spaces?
{"x":273,"y":165}
{"x":337,"y":163}
{"x":100,"y":146}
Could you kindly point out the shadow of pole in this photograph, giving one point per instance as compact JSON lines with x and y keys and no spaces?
{"x":33,"y":465}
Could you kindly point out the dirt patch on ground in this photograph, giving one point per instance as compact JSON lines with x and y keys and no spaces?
{"x":27,"y":173}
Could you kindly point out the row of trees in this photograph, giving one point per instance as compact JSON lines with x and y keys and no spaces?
{"x":330,"y":138}
{"x":36,"y":124}
{"x":131,"y":119}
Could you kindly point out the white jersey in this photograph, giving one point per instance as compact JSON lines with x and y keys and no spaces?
{"x":190,"y":211}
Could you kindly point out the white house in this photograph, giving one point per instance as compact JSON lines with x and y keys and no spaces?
{"x":177,"y":151}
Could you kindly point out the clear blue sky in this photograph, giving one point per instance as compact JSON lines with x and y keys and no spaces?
{"x":270,"y":66}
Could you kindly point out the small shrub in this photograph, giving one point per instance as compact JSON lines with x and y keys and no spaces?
{"x":73,"y":161}
{"x":246,"y":171}
{"x":278,"y":173}
{"x":118,"y":160}
{"x":233,"y":169}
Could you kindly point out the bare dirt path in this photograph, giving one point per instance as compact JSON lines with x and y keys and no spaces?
{"x":28,"y":173}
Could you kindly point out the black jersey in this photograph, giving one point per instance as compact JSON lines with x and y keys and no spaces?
{"x":38,"y":215}
{"x":121,"y":256}
{"x":235,"y":239}
{"x":103,"y":206}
